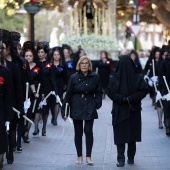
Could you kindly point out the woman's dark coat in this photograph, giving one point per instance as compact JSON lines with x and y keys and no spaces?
{"x":5,"y":105}
{"x":84,"y":96}
{"x":61,"y":79}
{"x":104,"y":70}
{"x":126,"y":117}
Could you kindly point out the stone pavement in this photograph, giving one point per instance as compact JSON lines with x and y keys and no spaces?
{"x":56,"y":153}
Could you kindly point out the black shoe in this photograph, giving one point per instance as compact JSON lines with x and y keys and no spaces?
{"x":160,"y":125}
{"x":43,"y":132}
{"x":36,"y":132}
{"x":120,"y":164}
{"x":55,"y":122}
{"x":10,"y":158}
{"x":167,"y":131}
{"x":14,"y":149}
{"x":130,"y":161}
{"x":19,"y":148}
{"x":25,"y":139}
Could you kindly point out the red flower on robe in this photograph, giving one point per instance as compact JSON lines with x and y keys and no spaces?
{"x":48,"y":65}
{"x":24,"y":66}
{"x":36,"y":70}
{"x":1,"y":80}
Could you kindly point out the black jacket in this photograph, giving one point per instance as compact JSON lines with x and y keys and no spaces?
{"x":84,"y":96}
{"x":5,"y":105}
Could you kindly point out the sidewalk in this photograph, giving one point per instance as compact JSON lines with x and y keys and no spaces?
{"x":56,"y":153}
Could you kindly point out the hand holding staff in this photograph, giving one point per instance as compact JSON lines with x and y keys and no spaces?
{"x":35,"y":101}
{"x":44,"y":100}
{"x":58,"y":100}
{"x":25,"y":117}
{"x":147,"y":74}
{"x":168,"y":95}
{"x":156,"y":90}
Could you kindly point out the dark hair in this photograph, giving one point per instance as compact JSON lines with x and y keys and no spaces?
{"x":45,"y":48}
{"x":105,"y":52}
{"x":60,"y":51}
{"x":29,"y":46}
{"x":44,"y":45}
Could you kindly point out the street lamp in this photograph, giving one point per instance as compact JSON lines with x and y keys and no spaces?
{"x":32,"y":9}
{"x":135,"y":18}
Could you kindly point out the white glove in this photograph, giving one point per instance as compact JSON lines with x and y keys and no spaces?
{"x":167,"y":97}
{"x":154,"y":79}
{"x":42,"y":103}
{"x":27,"y":105}
{"x":158,"y":96}
{"x":7,"y":125}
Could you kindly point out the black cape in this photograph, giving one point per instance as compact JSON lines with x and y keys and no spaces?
{"x":126,"y":118}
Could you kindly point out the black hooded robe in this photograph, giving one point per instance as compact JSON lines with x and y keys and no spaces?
{"x":126,"y":118}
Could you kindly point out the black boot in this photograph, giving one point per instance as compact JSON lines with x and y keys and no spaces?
{"x":130,"y":161}
{"x":10,"y":157}
{"x":120,"y":164}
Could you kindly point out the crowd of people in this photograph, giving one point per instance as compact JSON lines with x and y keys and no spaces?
{"x":37,"y":80}
{"x":33,"y":80}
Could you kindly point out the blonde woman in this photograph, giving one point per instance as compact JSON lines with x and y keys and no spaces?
{"x":84,"y":95}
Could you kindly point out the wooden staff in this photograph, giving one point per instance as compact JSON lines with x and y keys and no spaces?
{"x":166,"y":84}
{"x":25,"y":117}
{"x":27,"y":90}
{"x":35,"y":101}
{"x":64,"y":126}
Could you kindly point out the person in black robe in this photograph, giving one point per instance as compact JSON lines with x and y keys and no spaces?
{"x":134,"y":56}
{"x":60,"y":76}
{"x":30,"y":55}
{"x":77,"y":55}
{"x":126,"y":89}
{"x":148,"y":67}
{"x":16,"y":93}
{"x":69,"y":62}
{"x":48,"y":81}
{"x":104,"y":70}
{"x":159,"y":104}
{"x":23,"y":66}
{"x":165,"y":71}
{"x":5,"y":100}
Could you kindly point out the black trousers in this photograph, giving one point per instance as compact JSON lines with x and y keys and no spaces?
{"x":130,"y":151}
{"x":88,"y":130}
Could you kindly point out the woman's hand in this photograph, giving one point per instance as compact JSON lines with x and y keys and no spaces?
{"x":65,"y":118}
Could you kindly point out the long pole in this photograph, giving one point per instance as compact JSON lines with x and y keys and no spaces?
{"x":136,"y":22}
{"x":32,"y":27}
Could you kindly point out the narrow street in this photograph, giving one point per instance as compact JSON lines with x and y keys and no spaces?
{"x":55,"y":152}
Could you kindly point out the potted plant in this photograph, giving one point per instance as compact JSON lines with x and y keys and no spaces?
{"x":33,"y":6}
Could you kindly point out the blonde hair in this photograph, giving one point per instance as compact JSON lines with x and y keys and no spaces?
{"x":80,"y":60}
